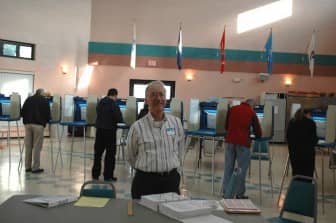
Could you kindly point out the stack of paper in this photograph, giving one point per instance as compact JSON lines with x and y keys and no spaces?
{"x":51,"y":201}
{"x":187,"y":208}
{"x":152,"y":201}
{"x":239,"y":206}
{"x":96,"y":202}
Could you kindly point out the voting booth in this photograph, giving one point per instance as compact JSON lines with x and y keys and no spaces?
{"x":10,"y":108}
{"x":53,"y":124}
{"x":207,"y":123}
{"x":129,"y":110}
{"x":77,"y":114}
{"x":260,"y":146}
{"x":175,"y":108}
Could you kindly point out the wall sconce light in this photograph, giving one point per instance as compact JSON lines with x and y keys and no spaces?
{"x":189,"y":76}
{"x":288,"y":82}
{"x":64,"y":69}
{"x":94,"y":63}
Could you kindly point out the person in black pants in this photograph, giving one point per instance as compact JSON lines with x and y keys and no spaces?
{"x":302,"y":138}
{"x":155,"y":147}
{"x":108,"y":115}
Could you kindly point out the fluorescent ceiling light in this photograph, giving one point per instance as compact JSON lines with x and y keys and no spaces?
{"x":264,"y":15}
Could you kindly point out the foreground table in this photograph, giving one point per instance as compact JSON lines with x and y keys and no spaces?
{"x":15,"y":210}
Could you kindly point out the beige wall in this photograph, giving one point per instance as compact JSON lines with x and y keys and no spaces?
{"x":59,"y":28}
{"x":203,"y":21}
{"x":205,"y":83}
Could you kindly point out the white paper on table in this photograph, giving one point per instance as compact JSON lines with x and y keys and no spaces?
{"x":206,"y":218}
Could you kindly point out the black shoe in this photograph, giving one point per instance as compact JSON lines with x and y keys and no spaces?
{"x":242,"y":197}
{"x":111,"y":179}
{"x":39,"y":170}
{"x":28,"y":170}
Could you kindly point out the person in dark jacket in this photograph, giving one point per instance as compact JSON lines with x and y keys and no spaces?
{"x":240,"y":119}
{"x":143,"y":111}
{"x":108,"y":115}
{"x":36,"y":114}
{"x":301,"y":139}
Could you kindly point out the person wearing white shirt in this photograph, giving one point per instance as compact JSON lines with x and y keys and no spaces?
{"x":155,"y":147}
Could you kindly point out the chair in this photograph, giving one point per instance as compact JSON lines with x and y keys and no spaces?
{"x":95,"y":188}
{"x":230,"y":191}
{"x":301,"y":198}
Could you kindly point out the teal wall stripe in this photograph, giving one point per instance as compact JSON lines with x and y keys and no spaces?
{"x":325,"y":59}
{"x":206,"y":53}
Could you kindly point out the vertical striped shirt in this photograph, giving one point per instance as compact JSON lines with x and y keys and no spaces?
{"x":152,"y":147}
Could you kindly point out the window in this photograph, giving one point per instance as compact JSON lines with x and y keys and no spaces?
{"x":264,"y":15}
{"x":138,"y":88}
{"x":15,"y":49}
{"x":15,"y":81}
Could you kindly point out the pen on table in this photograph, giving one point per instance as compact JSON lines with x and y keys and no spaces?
{"x":130,"y":208}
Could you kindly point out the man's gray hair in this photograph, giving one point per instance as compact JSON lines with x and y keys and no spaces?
{"x":251,"y":102}
{"x":154,"y":83}
{"x":39,"y":91}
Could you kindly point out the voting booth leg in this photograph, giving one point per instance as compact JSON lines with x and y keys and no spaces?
{"x":59,"y":152}
{"x":18,"y":135}
{"x":197,"y":158}
{"x":21,"y":147}
{"x":51,"y":150}
{"x":260,"y":192}
{"x":322,"y":173}
{"x":72,"y":143}
{"x":213,"y":164}
{"x":9,"y":146}
{"x":84,"y":153}
{"x":59,"y":137}
{"x":283,"y":178}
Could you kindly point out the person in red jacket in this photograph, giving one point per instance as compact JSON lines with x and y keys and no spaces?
{"x":240,"y":119}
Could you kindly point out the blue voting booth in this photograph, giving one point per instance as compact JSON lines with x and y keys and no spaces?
{"x":207,"y":122}
{"x":320,"y":118}
{"x":10,"y":108}
{"x":55,"y":104}
{"x":78,"y":113}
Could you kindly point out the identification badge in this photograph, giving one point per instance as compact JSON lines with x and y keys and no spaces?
{"x":170,"y":131}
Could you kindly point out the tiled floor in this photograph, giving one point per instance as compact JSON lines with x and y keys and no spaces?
{"x":67,"y":180}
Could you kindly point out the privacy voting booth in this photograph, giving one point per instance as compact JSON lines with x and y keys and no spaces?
{"x":207,"y":122}
{"x":175,"y":108}
{"x":260,"y":146}
{"x":128,"y":108}
{"x":78,"y":112}
{"x":265,"y":114}
{"x":55,"y":105}
{"x":10,"y":108}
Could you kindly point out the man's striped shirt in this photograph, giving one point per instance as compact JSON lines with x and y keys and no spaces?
{"x":156,"y":147}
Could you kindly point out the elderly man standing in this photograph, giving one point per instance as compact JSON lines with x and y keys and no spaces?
{"x":36,"y":114}
{"x":155,"y":146}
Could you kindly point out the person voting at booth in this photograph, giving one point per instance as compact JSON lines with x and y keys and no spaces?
{"x":36,"y":114}
{"x":240,"y":119}
{"x":302,"y":138}
{"x":108,"y":115}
